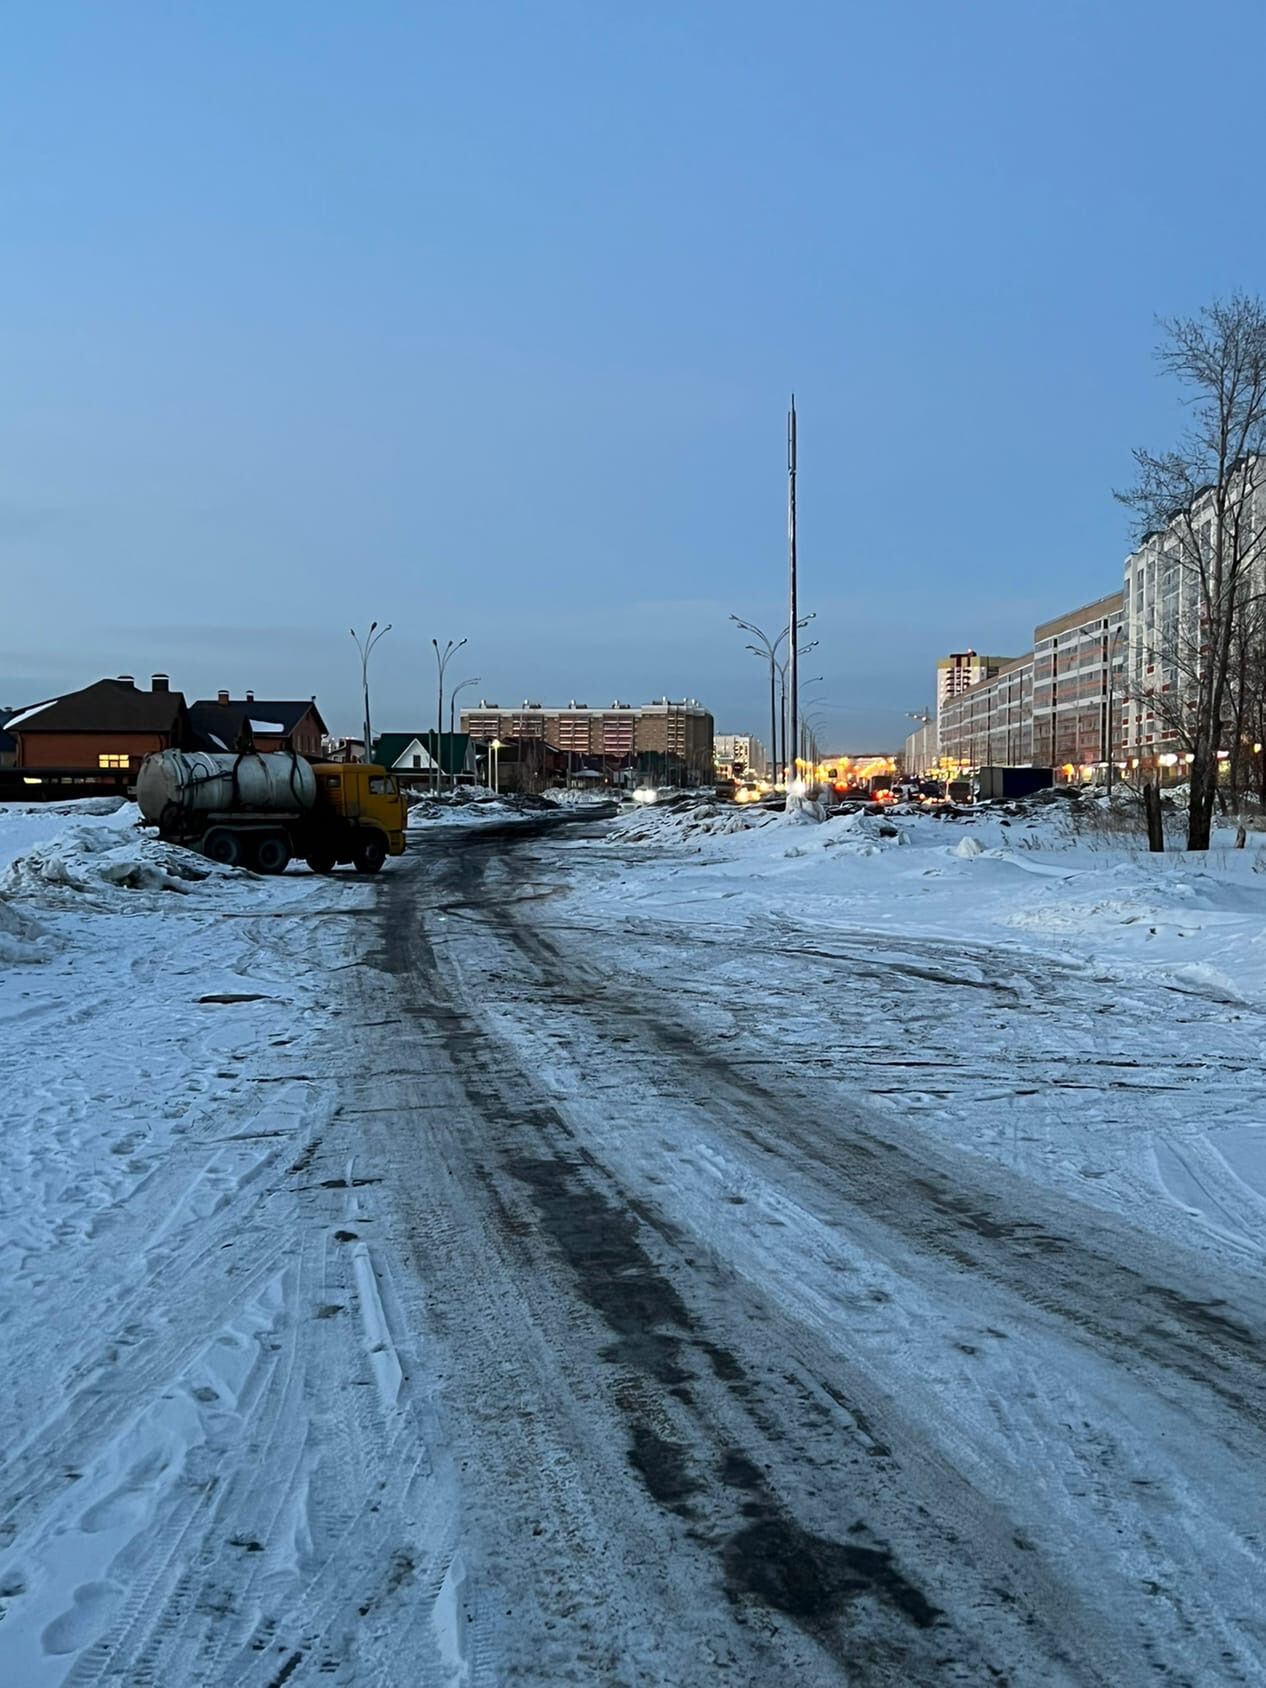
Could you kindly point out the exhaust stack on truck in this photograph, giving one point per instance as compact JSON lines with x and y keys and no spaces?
{"x":258,"y":811}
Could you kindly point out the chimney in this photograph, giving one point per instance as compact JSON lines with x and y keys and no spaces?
{"x":127,"y":679}
{"x":250,"y":697}
{"x":160,"y":683}
{"x":221,"y":696}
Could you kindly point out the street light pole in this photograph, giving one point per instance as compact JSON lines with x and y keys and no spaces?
{"x":452,"y":709}
{"x":441,"y":663}
{"x":768,"y":650}
{"x":365,"y":647}
{"x":1107,"y":735}
{"x":793,"y":614}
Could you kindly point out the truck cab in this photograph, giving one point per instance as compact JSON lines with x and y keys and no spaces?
{"x":359,"y":816}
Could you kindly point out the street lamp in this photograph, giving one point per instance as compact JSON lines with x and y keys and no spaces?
{"x":452,"y":707}
{"x":365,"y":646}
{"x":782,"y":684}
{"x":494,"y":753}
{"x":442,"y":658}
{"x":769,"y":651}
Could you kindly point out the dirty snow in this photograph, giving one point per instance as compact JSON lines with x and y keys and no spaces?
{"x":236,"y":1396}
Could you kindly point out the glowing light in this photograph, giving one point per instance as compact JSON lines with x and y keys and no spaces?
{"x":646,"y":794}
{"x":1224,"y":756}
{"x":1168,"y":760}
{"x":1189,"y":758}
{"x":796,"y":788}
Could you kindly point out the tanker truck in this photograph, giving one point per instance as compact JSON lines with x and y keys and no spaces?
{"x":259,"y":810}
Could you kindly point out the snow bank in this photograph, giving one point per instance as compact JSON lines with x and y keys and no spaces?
{"x":1031,"y":879}
{"x":23,"y":825}
{"x":99,"y":860}
{"x":21,"y":938}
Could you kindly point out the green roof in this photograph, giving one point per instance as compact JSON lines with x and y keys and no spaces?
{"x":390,"y":747}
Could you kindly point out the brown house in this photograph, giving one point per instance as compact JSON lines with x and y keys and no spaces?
{"x":102,"y":732}
{"x":224,"y":723}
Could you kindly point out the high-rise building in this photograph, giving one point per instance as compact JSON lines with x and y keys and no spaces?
{"x":1165,"y":634}
{"x":961,"y":670}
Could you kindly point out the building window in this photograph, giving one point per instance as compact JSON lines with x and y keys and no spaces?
{"x":111,"y":761}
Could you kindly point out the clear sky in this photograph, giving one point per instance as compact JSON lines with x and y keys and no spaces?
{"x":481,"y":318}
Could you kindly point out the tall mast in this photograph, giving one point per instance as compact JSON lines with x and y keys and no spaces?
{"x":793,"y":635}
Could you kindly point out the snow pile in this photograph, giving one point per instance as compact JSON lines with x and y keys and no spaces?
{"x":650,"y":824}
{"x":99,"y":860}
{"x":21,"y":938}
{"x":569,"y":797}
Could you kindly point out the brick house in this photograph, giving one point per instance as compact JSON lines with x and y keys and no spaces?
{"x":101,"y":733}
{"x":294,"y":725}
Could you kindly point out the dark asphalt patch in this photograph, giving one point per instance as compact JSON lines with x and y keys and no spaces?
{"x":770,"y":1557}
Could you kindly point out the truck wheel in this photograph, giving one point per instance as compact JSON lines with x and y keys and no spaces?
{"x":223,"y":846}
{"x":370,"y":854}
{"x":320,"y":861}
{"x":272,"y":853}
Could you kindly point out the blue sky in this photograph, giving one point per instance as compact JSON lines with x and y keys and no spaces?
{"x":481,"y":318}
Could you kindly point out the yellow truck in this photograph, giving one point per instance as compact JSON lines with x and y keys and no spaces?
{"x":261,"y":810}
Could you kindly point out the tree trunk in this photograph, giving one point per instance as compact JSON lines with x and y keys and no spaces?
{"x":1155,"y":822}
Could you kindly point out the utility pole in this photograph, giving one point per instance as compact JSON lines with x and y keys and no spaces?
{"x":793,"y":616}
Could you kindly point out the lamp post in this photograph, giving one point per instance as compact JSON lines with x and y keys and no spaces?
{"x":452,"y":709}
{"x":768,"y":650}
{"x":494,"y":756}
{"x":442,"y":658}
{"x":1108,"y":744}
{"x":365,"y":646}
{"x":783,"y":691}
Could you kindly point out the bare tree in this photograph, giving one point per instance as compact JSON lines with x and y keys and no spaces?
{"x":1204,"y":505}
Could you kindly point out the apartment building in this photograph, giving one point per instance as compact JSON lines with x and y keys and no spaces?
{"x":739,"y":751}
{"x":1164,"y":632}
{"x":990,"y":723}
{"x":674,"y":738}
{"x":1078,"y":682}
{"x":960,"y":671}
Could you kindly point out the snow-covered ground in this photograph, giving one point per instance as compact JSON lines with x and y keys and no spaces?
{"x":1177,"y":941}
{"x":722,"y":1244}
{"x":155,"y":1028}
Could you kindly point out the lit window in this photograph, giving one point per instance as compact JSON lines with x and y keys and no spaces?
{"x":109,"y":761}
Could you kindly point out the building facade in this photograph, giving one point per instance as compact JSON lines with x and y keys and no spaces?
{"x":739,"y":753}
{"x":666,"y":736}
{"x":960,"y":671}
{"x":1078,"y":687}
{"x":990,"y":723}
{"x":1164,"y":626}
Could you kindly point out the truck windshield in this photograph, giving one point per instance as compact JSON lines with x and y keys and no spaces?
{"x":382,"y":785}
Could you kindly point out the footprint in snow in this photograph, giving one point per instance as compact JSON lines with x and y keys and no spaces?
{"x":84,"y":1621}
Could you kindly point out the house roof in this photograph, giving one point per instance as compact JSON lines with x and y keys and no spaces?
{"x":107,"y":706}
{"x":452,"y":756}
{"x":223,"y":722}
{"x":390,"y":747}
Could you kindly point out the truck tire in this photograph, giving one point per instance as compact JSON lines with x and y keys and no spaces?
{"x":320,"y":861}
{"x":272,"y":853}
{"x":370,"y":853}
{"x":222,"y":845}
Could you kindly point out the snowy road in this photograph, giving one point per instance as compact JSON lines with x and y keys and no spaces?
{"x":610,"y":1298}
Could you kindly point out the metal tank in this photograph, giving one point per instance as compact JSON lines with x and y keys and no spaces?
{"x":198,"y":782}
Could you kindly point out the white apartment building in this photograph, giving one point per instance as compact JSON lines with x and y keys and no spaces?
{"x":1163,"y":628}
{"x":742,"y":751}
